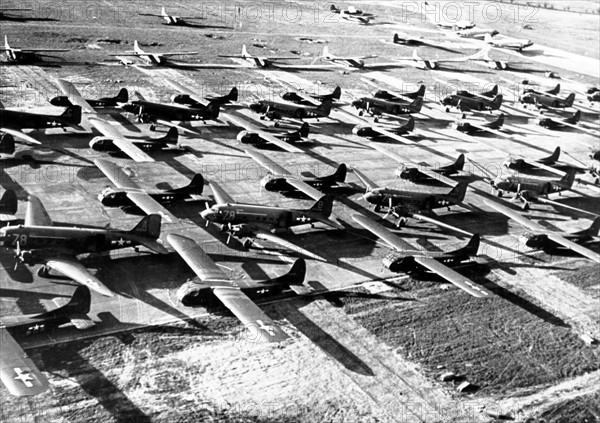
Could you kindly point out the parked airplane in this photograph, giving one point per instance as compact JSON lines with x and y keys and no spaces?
{"x":510,"y":43}
{"x":216,"y":286}
{"x":545,"y":101}
{"x":570,"y":122}
{"x":438,"y":17}
{"x":547,"y":240}
{"x":189,"y":98}
{"x":155,"y":58}
{"x":112,"y":141}
{"x":164,"y":114}
{"x":18,"y":372}
{"x":476,"y":32}
{"x":73,"y":96}
{"x":280,"y":179}
{"x":252,"y":134}
{"x":376,"y":106}
{"x":403,"y":203}
{"x":472,"y":128}
{"x":552,"y":91}
{"x":466,"y":101}
{"x":39,"y":241}
{"x":12,"y":122}
{"x":483,"y":57}
{"x":276,"y":110}
{"x":378,"y":131}
{"x":311,"y":99}
{"x":27,"y":55}
{"x":550,"y":164}
{"x":409,"y":259}
{"x":359,"y":19}
{"x":10,"y":10}
{"x":400,"y":97}
{"x":130,"y":195}
{"x":350,"y":10}
{"x":257,"y":61}
{"x":171,"y":19}
{"x":419,"y":173}
{"x":251,"y":220}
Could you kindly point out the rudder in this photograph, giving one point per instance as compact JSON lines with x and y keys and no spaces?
{"x":9,"y":202}
{"x":149,"y":226}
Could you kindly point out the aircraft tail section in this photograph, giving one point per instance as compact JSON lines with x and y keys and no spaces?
{"x":325,"y":106}
{"x":245,"y":53}
{"x":172,"y":136}
{"x":574,"y":118}
{"x":570,"y":99}
{"x":420,"y":92}
{"x":497,"y":102}
{"x":415,"y":55}
{"x":416,"y":105}
{"x":555,"y":90}
{"x":295,"y":276}
{"x":497,"y":124}
{"x":72,"y":115}
{"x":123,"y":96}
{"x":340,"y":174}
{"x":148,"y":227}
{"x":136,"y":47}
{"x":326,"y":53}
{"x":163,"y":13}
{"x":491,"y":93}
{"x":78,"y":305}
{"x":471,"y":248}
{"x":553,"y":158}
{"x":304,"y":130}
{"x":410,"y":124}
{"x":481,"y":54}
{"x":337,"y":93}
{"x":594,"y":229}
{"x":7,"y":144}
{"x":213,"y":110}
{"x":488,"y":38}
{"x":323,"y":206}
{"x":6,"y":46}
{"x":568,"y":179}
{"x":8,"y":202}
{"x":397,"y":39}
{"x":459,"y":164}
{"x":458,"y":193}
{"x":233,"y":94}
{"x":195,"y":186}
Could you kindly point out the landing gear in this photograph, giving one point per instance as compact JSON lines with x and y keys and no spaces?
{"x":401,"y":222}
{"x":377,"y":208}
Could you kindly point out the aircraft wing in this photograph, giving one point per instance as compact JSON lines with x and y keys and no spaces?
{"x":42,"y":50}
{"x":226,"y":290}
{"x":369,"y":183}
{"x":300,"y":185}
{"x":116,"y":174}
{"x":70,"y":267}
{"x":36,"y":214}
{"x":382,"y":232}
{"x":220,"y":195}
{"x":268,"y":236}
{"x":18,"y":372}
{"x":124,"y":144}
{"x":391,"y":135}
{"x":20,"y":135}
{"x":150,"y":206}
{"x":580,"y":249}
{"x":248,"y":126}
{"x":168,"y":53}
{"x":453,"y":277}
{"x":517,"y":217}
{"x":268,"y":164}
{"x":74,"y":95}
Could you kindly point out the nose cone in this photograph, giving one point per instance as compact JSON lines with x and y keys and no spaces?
{"x":357,"y":104}
{"x":130,"y":108}
{"x":255,"y":107}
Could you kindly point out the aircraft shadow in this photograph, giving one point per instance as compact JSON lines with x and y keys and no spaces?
{"x":323,"y":340}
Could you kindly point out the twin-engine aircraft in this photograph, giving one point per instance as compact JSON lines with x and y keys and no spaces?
{"x":547,"y":240}
{"x":275,"y":110}
{"x":473,"y":128}
{"x":509,"y":43}
{"x":252,"y":134}
{"x":73,"y":96}
{"x":379,"y":130}
{"x":280,"y":179}
{"x":216,"y":286}
{"x":465,"y":101}
{"x":409,"y":259}
{"x":404,"y":203}
{"x":39,"y":241}
{"x":252,"y":220}
{"x":545,"y":100}
{"x":27,"y":55}
{"x":18,"y":372}
{"x":378,"y":106}
{"x":129,"y":195}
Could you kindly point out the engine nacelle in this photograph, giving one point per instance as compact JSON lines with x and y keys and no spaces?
{"x":362,"y":131}
{"x":61,"y":101}
{"x":192,"y":294}
{"x":102,"y":144}
{"x":247,"y":137}
{"x":7,"y":144}
{"x":183,"y":99}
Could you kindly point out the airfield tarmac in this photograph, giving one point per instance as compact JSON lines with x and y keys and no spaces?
{"x":370,"y":352}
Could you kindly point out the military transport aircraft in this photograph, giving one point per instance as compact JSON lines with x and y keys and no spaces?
{"x":171,"y":19}
{"x":404,"y":203}
{"x":155,"y":58}
{"x":510,"y":43}
{"x":377,"y":106}
{"x":252,"y":134}
{"x":311,"y":99}
{"x":18,"y":372}
{"x":407,"y":40}
{"x":423,"y":63}
{"x":275,"y":110}
{"x":112,"y":141}
{"x":476,"y":32}
{"x":419,"y":173}
{"x":14,"y":121}
{"x":350,"y":10}
{"x":39,"y":241}
{"x":10,"y":10}
{"x":73,"y":96}
{"x":357,"y":62}
{"x":571,"y":122}
{"x":359,"y":19}
{"x":215,"y":285}
{"x":465,"y":101}
{"x":547,"y":240}
{"x":543,"y":100}
{"x":549,"y":164}
{"x":251,"y":220}
{"x":27,"y":55}
{"x":280,"y":179}
{"x":409,"y":259}
{"x":400,"y":97}
{"x":472,"y":127}
{"x":257,"y":61}
{"x":130,"y":195}
{"x":164,"y":114}
{"x":437,"y":16}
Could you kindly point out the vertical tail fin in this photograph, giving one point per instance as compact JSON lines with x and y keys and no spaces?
{"x":79,"y":304}
{"x":136,"y":47}
{"x":149,"y":226}
{"x":488,"y":38}
{"x":325,"y":106}
{"x":233,"y":94}
{"x":574,"y":118}
{"x":245,"y":51}
{"x":6,"y":46}
{"x":553,"y":158}
{"x":8,"y":202}
{"x":304,"y":130}
{"x":410,"y":125}
{"x":416,"y":105}
{"x":570,"y":99}
{"x":555,"y":90}
{"x":459,"y":191}
{"x":195,"y":186}
{"x":325,"y":53}
{"x":415,"y":55}
{"x":491,"y":93}
{"x":473,"y":245}
{"x":594,"y":229}
{"x":396,"y":39}
{"x":163,"y":12}
{"x":569,"y":178}
{"x":340,"y":173}
{"x":337,"y":93}
{"x":459,"y":164}
{"x":497,"y":102}
{"x":172,"y":136}
{"x":123,"y":96}
{"x":323,"y":206}
{"x":72,"y":115}
{"x":421,"y":91}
